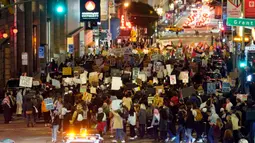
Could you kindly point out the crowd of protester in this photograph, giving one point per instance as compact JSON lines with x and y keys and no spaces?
{"x":171,"y":116}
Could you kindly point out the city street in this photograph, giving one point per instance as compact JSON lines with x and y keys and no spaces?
{"x":18,"y":132}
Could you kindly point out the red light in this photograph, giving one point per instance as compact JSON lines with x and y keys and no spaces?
{"x":222,"y":29}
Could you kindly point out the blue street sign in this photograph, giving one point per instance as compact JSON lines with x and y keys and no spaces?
{"x":70,"y":48}
{"x":41,"y":52}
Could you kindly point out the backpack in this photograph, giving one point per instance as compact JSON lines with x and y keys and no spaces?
{"x":199,"y":116}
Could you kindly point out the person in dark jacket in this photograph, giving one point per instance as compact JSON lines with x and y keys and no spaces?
{"x":189,"y":123}
{"x":163,"y":123}
{"x":142,"y":120}
{"x":28,"y":108}
{"x":181,"y":123}
{"x":55,"y":125}
{"x":7,"y":109}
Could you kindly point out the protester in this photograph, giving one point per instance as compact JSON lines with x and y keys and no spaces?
{"x":132,"y":122}
{"x":118,"y":126}
{"x":55,"y":124}
{"x":101,"y":121}
{"x":155,"y":124}
{"x":19,"y":102}
{"x":29,"y":108}
{"x":142,"y":120}
{"x":7,"y":109}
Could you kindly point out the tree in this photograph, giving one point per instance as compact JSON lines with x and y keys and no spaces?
{"x":141,"y":14}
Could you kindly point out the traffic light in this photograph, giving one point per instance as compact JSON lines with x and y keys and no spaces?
{"x":60,"y":7}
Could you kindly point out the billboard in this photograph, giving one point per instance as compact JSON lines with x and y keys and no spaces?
{"x":249,"y":8}
{"x":90,"y":10}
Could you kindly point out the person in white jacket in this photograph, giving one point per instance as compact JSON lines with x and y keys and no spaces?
{"x":132,"y":122}
{"x":19,"y":102}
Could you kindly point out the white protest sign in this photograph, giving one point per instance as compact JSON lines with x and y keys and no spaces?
{"x":56,"y":83}
{"x":36,"y":83}
{"x":116,"y":83}
{"x":25,"y":81}
{"x":172,"y":79}
{"x":185,"y":77}
{"x":116,"y":104}
{"x":142,"y":76}
{"x":155,"y":80}
{"x":83,"y":77}
{"x":93,"y":90}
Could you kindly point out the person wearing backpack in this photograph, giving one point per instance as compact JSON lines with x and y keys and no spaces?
{"x":77,"y":118}
{"x":198,"y":117}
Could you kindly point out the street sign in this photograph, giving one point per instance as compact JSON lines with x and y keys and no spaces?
{"x":70,"y":48}
{"x":24,"y":58}
{"x":234,"y":8}
{"x":41,"y":52}
{"x":249,"y":8}
{"x":240,"y":22}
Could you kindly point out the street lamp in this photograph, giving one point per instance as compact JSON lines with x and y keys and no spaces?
{"x":126,"y":4}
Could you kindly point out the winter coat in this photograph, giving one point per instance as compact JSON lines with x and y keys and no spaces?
{"x":142,"y":116}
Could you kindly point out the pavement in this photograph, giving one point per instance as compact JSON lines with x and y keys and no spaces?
{"x":20,"y":133}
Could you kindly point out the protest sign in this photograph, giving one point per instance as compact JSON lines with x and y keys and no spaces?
{"x":188,"y":91}
{"x":107,"y":80}
{"x":87,"y":97}
{"x":93,"y":90}
{"x":211,"y":87}
{"x":242,"y":97}
{"x":143,"y":77}
{"x":36,"y":83}
{"x":172,"y":79}
{"x":49,"y":103}
{"x":25,"y":81}
{"x":226,"y":87}
{"x":147,"y":71}
{"x":135,"y":73}
{"x":83,"y":77}
{"x":169,"y":69}
{"x":116,"y":104}
{"x":185,"y":78}
{"x":150,"y":99}
{"x":155,"y":80}
{"x":116,"y":83}
{"x":66,"y":71}
{"x":56,"y":83}
{"x":83,"y":89}
{"x":93,"y":77}
{"x":159,"y":89}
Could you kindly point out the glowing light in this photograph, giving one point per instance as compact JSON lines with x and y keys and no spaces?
{"x":71,"y":136}
{"x":5,"y":35}
{"x":126,"y":4}
{"x":249,"y":78}
{"x":15,"y":30}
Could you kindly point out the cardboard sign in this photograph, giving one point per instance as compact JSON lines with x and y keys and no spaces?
{"x":116,"y":83}
{"x":159,"y":89}
{"x":87,"y":97}
{"x":66,"y":71}
{"x":25,"y":81}
{"x":56,"y":83}
{"x":155,"y":80}
{"x":49,"y":103}
{"x":172,"y":79}
{"x":211,"y":87}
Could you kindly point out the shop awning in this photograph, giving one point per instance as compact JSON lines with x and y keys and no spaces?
{"x":75,"y":32}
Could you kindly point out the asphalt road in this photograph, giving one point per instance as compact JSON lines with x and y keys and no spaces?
{"x":18,"y":132}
